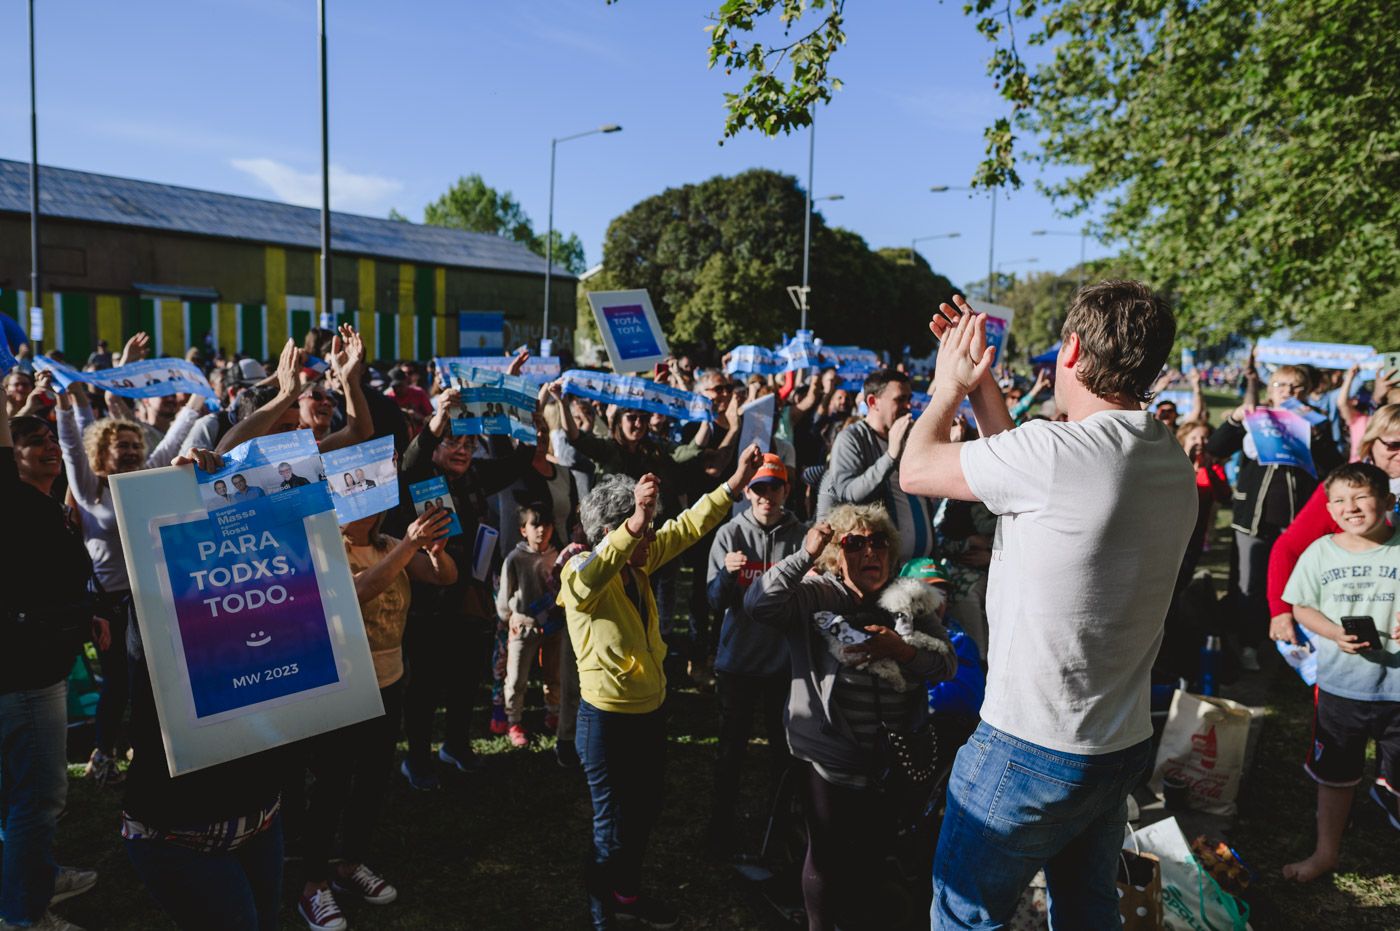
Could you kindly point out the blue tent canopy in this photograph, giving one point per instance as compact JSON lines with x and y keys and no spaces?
{"x":1047,"y":357}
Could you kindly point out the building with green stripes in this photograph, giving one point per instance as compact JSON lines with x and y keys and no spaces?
{"x":201,"y":268}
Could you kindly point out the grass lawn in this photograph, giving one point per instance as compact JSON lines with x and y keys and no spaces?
{"x":504,"y":849}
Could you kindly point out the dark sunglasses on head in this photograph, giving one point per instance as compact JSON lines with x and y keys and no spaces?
{"x":855,"y":542}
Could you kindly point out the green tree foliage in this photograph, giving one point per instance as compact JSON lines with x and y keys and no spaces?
{"x":717,"y":258}
{"x":472,"y":204}
{"x":1247,"y":152}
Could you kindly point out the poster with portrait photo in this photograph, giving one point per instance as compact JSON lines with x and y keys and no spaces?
{"x":364,"y":479}
{"x":282,"y":471}
{"x":491,"y":403}
{"x":434,"y":491}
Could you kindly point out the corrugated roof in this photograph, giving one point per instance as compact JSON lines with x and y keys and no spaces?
{"x":82,"y":195}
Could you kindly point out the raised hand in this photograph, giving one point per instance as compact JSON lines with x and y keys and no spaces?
{"x":734,"y":561}
{"x":517,"y":365}
{"x":206,"y":459}
{"x":135,"y":349}
{"x":430,"y":528}
{"x":647,"y":495}
{"x":750,"y":458}
{"x":289,"y":370}
{"x":817,"y":538}
{"x":964,"y":358}
{"x":899,"y":432}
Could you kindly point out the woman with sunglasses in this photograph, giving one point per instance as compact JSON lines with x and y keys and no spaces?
{"x":1267,"y":497}
{"x":863,"y":644}
{"x":1380,"y":446}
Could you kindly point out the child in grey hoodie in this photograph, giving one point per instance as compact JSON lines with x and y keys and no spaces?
{"x":524,"y":603}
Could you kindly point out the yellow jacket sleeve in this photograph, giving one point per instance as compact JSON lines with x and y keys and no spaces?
{"x":587,"y":574}
{"x":685,"y":529}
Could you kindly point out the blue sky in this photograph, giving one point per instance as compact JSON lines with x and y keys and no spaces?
{"x":221,"y":94}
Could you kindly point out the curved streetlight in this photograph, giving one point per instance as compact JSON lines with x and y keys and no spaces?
{"x":918,"y":239}
{"x":549,"y":236}
{"x":1083,"y":239}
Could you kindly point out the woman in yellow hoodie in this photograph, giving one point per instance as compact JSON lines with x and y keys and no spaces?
{"x":621,"y":734}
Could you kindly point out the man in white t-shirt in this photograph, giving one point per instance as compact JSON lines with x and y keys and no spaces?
{"x":1093,"y":520}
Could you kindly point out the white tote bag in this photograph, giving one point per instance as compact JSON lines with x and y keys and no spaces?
{"x":1206,"y":743}
{"x":1191,"y":898}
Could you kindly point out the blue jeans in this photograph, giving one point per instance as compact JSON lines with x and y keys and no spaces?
{"x":237,"y":891}
{"x":1015,"y":807}
{"x":33,"y":789}
{"x":624,"y":761}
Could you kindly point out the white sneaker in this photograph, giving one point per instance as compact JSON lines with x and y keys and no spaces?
{"x":1249,"y":659}
{"x":367,"y":884}
{"x":320,"y":911}
{"x":71,"y":882}
{"x":50,"y":922}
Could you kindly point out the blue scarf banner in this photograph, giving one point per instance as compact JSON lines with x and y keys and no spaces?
{"x":1281,"y":438}
{"x":491,"y":403}
{"x":363,"y":478}
{"x":266,"y":481}
{"x":537,"y":369}
{"x":1275,"y":352}
{"x":149,"y":378}
{"x":639,"y":394}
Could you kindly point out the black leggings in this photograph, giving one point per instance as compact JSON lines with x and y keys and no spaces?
{"x":447,"y":658}
{"x":351,"y":767}
{"x":839,"y":874}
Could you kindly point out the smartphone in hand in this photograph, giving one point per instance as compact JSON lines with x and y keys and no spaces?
{"x":1363,"y":628}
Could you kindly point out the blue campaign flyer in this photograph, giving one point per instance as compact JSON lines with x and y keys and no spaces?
{"x":363,"y":478}
{"x":1281,"y":438}
{"x":267,"y":480}
{"x":491,"y":403}
{"x":434,"y":491}
{"x":249,"y":615}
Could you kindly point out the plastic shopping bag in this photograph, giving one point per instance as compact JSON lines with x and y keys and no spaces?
{"x":1191,"y":899}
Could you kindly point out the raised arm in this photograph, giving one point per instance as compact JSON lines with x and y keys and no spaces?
{"x":780,"y":597}
{"x":347,"y":363}
{"x":82,"y":481}
{"x":933,"y":463}
{"x":586,"y":575}
{"x":174,"y":438}
{"x":261,"y":421}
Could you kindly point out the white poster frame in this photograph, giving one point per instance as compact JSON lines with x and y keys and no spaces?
{"x":601,"y":302}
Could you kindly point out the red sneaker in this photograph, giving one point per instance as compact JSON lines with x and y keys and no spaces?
{"x":320,"y":911}
{"x":367,"y":884}
{"x":518,"y":736}
{"x":499,"y":724}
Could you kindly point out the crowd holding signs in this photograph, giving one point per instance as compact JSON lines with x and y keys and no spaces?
{"x":330,"y":569}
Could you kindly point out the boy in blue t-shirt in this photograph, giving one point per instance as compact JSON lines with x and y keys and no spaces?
{"x":1355,"y":573}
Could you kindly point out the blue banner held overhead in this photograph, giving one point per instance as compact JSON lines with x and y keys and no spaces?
{"x":264,"y":482}
{"x":633,"y":393}
{"x":538,"y":369}
{"x":490,"y":403}
{"x":364,"y":479}
{"x":149,"y":378}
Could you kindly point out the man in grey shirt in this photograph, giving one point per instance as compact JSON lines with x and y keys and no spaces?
{"x":864,"y":465}
{"x":1093,"y":519}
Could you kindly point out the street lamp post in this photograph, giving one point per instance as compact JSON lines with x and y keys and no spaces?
{"x":327,"y":318}
{"x":1083,"y":240}
{"x":36,"y":313}
{"x":991,"y":236}
{"x":549,"y":237}
{"x":918,"y":239}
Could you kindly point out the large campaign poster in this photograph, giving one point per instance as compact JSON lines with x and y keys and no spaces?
{"x":631,"y":332}
{"x":998,"y":326}
{"x":248,"y":620}
{"x":1279,"y":437}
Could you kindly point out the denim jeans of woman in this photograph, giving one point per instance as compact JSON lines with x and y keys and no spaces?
{"x":624,"y":761}
{"x":33,"y":788}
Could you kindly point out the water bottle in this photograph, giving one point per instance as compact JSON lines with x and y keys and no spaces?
{"x":1210,"y":662}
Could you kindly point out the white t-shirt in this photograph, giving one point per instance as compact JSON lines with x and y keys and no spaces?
{"x":1093,"y":519}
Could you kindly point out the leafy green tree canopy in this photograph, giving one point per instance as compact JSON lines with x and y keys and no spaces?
{"x":1248,"y":153}
{"x":472,"y":204}
{"x":717,"y":258}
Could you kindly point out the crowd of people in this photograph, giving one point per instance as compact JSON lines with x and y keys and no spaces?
{"x":993,"y":592}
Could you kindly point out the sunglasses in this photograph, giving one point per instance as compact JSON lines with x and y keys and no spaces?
{"x":1291,"y":386}
{"x":635,"y":417}
{"x":855,"y":542}
{"x":1392,"y":446}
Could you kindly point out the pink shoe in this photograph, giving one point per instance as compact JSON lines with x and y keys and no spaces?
{"x":518,"y":736}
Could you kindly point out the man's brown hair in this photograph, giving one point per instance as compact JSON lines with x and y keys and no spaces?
{"x":1125,"y":334}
